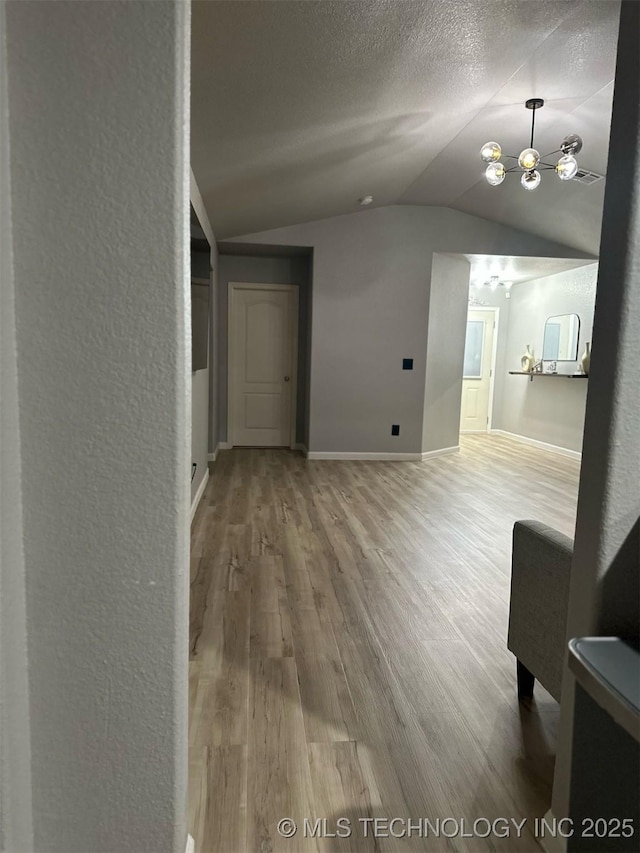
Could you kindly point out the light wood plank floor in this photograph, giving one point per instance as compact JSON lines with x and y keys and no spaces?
{"x":348,"y":648}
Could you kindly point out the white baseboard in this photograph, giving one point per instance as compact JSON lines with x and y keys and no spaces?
{"x":443,"y":451}
{"x":371,"y":457}
{"x":552,"y":843}
{"x":542,"y":445}
{"x":225,"y":445}
{"x":199,"y":493}
{"x":222,"y":445}
{"x":474,"y":431}
{"x":191,"y":845}
{"x":381,"y":457}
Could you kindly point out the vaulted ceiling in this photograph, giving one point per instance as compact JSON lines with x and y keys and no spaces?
{"x":301,"y":108}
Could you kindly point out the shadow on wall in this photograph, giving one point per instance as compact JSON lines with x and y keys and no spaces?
{"x":620,"y":588}
{"x":387,"y":142}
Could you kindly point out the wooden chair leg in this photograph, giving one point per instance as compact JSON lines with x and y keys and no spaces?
{"x":526,"y":680}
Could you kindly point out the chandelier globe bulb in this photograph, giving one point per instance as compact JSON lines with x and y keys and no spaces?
{"x":567,"y":167}
{"x":495,"y":174}
{"x":490,"y":152}
{"x":571,"y":144}
{"x":528,"y":159}
{"x":530,"y":180}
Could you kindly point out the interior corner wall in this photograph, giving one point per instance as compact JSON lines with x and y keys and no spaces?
{"x":98,"y":129}
{"x":446,"y":330}
{"x":214,"y":354}
{"x":370,"y":303}
{"x":204,"y":383}
{"x":307,"y":322}
{"x":200,"y":388}
{"x":15,"y":746}
{"x":547,"y":410}
{"x":263,"y":269}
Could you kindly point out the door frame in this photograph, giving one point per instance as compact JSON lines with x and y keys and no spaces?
{"x":232,"y":289}
{"x":492,"y":369}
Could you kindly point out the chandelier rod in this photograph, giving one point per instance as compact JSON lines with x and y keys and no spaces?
{"x":549,"y":153}
{"x":533,"y":123}
{"x":533,"y":104}
{"x":543,"y":167}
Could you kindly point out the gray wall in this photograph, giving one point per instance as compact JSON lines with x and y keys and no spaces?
{"x":448,"y":298}
{"x":280,"y":269}
{"x":548,"y":410}
{"x":371,"y":291}
{"x":98,"y":126}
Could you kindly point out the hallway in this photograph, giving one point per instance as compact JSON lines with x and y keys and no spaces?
{"x":348,"y":648}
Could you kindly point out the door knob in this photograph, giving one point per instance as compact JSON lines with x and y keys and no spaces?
{"x":286,"y":378}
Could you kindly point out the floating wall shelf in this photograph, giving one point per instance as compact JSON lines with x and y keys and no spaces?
{"x":549,"y":375}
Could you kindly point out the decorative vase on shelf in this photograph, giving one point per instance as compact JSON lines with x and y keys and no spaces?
{"x":527,"y":361}
{"x":585,"y":361}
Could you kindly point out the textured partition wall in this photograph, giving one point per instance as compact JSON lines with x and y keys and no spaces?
{"x":98,"y":122}
{"x":605,"y":574}
{"x":15,"y":750}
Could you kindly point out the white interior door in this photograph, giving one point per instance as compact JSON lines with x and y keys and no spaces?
{"x":262,"y":356}
{"x":477,"y":375}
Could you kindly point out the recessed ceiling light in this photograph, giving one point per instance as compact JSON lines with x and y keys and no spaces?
{"x":367,"y":199}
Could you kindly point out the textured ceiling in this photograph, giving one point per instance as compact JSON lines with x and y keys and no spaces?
{"x":301,"y":108}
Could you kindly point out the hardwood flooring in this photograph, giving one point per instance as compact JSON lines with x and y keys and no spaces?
{"x":348,"y":650}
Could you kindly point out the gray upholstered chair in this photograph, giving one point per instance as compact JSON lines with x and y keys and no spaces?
{"x":540,"y":575}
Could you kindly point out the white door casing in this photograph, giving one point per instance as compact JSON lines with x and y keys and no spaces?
{"x":263,"y":337}
{"x":479,"y":368}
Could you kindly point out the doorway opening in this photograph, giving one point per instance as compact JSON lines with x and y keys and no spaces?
{"x":517,"y":305}
{"x":479,"y":368}
{"x":256,"y":405}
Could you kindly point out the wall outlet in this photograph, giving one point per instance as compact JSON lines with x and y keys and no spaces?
{"x":395,"y":429}
{"x":407,"y":364}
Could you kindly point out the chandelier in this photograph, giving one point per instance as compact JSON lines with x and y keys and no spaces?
{"x":529,"y":162}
